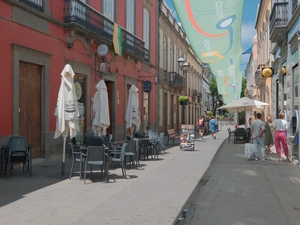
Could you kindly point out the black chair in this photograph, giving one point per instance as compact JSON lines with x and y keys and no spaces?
{"x":94,"y":141}
{"x":107,"y":141}
{"x":239,"y":135}
{"x":130,"y":152}
{"x":120,"y":158}
{"x":230,"y":134}
{"x":18,"y":152}
{"x":86,"y":135}
{"x":75,"y":151}
{"x":96,"y":156}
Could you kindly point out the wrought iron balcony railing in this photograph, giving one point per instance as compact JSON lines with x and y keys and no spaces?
{"x":77,"y":12}
{"x":279,"y":15}
{"x":176,"y":79}
{"x":294,"y":5}
{"x":194,"y":93}
{"x":37,"y":4}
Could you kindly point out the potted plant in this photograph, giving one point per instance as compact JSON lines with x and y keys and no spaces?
{"x":183,"y":100}
{"x":209,"y":113}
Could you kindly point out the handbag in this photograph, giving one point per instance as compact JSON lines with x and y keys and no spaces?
{"x":249,"y":153}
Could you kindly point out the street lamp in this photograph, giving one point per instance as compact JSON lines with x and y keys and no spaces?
{"x":184,"y":66}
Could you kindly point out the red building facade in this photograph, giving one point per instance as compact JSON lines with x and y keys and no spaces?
{"x":40,"y":37}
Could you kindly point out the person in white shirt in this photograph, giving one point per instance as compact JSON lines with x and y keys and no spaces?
{"x":281,"y":127}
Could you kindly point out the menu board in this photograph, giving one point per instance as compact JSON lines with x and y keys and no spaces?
{"x":187,"y":135}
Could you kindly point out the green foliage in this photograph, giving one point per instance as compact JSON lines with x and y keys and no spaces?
{"x":209,"y":113}
{"x":213,"y":88}
{"x":244,"y":85}
{"x":183,"y":98}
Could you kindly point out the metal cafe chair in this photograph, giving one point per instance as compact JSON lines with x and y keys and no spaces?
{"x":96,"y":156}
{"x":230,"y":134}
{"x":18,"y":152}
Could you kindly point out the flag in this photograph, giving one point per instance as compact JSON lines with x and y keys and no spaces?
{"x":248,"y":51}
{"x":118,"y":39}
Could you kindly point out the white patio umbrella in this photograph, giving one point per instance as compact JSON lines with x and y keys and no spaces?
{"x":101,"y":120}
{"x":244,"y":104}
{"x":66,"y":110}
{"x":132,"y":115}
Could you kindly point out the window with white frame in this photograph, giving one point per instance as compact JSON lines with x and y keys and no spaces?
{"x":171,"y":57}
{"x":109,"y":9}
{"x":130,"y":18}
{"x":146,"y":28}
{"x":130,"y":15}
{"x":177,"y":57}
{"x":165,"y":49}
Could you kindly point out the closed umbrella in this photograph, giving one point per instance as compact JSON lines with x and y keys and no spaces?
{"x":66,"y":110}
{"x":101,"y":120}
{"x":244,"y":104}
{"x":132,"y":115}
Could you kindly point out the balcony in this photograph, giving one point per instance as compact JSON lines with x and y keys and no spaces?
{"x":278,"y":22}
{"x":294,"y":5}
{"x":194,"y":93}
{"x":84,"y":19}
{"x":36,"y":4}
{"x":176,"y":80}
{"x":199,"y":96}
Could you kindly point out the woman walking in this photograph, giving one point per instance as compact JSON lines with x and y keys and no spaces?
{"x":281,"y":127}
{"x":212,"y":126}
{"x":269,"y":134}
{"x":201,"y":126}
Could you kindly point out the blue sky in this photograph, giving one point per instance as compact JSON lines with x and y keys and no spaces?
{"x":248,"y":30}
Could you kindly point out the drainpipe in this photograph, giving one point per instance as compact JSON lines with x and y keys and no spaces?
{"x":157,"y":117}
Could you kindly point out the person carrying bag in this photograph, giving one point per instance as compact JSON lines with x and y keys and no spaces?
{"x":249,"y":151}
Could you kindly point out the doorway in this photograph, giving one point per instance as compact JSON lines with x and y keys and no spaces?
{"x":30,"y":77}
{"x":110,"y":86}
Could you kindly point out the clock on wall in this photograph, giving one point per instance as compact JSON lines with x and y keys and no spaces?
{"x":102,"y":49}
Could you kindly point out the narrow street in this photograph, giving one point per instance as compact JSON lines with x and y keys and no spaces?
{"x":236,"y":191}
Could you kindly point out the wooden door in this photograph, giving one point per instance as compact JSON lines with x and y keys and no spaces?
{"x":30,"y":105}
{"x":177,"y":118}
{"x":165,"y":113}
{"x":109,"y":85}
{"x":172,"y":112}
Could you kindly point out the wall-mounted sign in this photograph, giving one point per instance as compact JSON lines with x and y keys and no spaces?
{"x":147,"y":86}
{"x":267,"y":72}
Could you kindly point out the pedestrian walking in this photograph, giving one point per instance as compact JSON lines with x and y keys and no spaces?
{"x":258,"y":128}
{"x":212,"y":127}
{"x":269,"y":134}
{"x":250,"y":121}
{"x":281,"y":127}
{"x":201,"y":126}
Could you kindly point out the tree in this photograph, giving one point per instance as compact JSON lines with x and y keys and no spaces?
{"x":213,"y":88}
{"x":244,"y":85}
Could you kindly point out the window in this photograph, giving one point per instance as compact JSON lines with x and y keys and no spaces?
{"x":165,"y":64}
{"x":109,"y":9}
{"x":130,"y":16}
{"x":172,"y":57}
{"x":146,"y":28}
{"x":177,"y":57}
